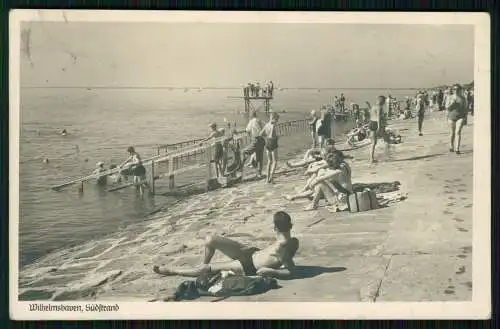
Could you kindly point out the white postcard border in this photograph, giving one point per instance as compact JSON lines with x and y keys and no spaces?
{"x":478,"y":308}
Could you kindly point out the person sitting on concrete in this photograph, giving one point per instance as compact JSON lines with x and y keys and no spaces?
{"x":314,"y":155}
{"x":275,"y":260}
{"x":358,"y":133}
{"x":331,"y":182}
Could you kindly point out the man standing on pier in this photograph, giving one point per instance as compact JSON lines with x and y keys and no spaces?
{"x":256,"y":149}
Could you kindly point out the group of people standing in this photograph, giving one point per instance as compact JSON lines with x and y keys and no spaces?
{"x":339,"y":103}
{"x":256,"y":90}
{"x":264,"y":139}
{"x":320,"y":125}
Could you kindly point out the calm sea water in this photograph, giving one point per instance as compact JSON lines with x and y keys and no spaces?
{"x":101,"y":124}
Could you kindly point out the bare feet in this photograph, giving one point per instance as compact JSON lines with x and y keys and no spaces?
{"x":311,"y":207}
{"x":162,"y":271}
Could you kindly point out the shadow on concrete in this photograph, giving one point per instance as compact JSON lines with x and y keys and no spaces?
{"x":306,"y":272}
{"x":384,"y":187}
{"x":417,"y":157}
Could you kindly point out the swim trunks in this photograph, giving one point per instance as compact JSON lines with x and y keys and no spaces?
{"x":219,"y":152}
{"x":139,"y":170}
{"x":272,"y":143}
{"x":373,"y":126}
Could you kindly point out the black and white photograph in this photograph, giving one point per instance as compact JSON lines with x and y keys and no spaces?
{"x":323,"y":163}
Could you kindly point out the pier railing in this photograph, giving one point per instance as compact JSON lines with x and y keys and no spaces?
{"x":172,"y":160}
{"x":186,"y":156}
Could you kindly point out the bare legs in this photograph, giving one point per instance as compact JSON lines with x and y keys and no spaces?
{"x":308,"y":159}
{"x":373,"y":136}
{"x":272,"y":159}
{"x":420,"y":123}
{"x":232,"y":249}
{"x":455,"y":131}
{"x":321,"y":191}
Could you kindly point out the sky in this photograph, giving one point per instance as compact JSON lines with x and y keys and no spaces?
{"x":230,"y":55}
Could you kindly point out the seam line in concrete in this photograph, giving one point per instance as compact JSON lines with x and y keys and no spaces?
{"x":377,"y":293}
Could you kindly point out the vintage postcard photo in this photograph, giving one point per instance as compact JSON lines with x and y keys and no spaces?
{"x":227,"y":165}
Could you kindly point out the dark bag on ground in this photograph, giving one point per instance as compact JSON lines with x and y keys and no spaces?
{"x":362,"y":201}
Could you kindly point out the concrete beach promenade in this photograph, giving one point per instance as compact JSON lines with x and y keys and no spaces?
{"x":417,"y":249}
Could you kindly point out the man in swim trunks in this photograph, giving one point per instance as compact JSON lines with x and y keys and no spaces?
{"x":256,"y":149}
{"x":271,"y":139}
{"x":275,"y":260}
{"x":219,"y":149}
{"x":376,"y":124}
{"x":137,"y":169}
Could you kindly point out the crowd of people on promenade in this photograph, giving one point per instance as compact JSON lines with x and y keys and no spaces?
{"x":258,"y":90}
{"x":329,"y":175}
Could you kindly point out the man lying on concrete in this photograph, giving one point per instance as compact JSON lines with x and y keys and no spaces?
{"x":275,"y":260}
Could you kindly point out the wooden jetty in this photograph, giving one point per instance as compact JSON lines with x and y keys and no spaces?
{"x":251,"y":101}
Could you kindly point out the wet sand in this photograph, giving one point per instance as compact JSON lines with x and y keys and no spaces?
{"x":418,"y":249}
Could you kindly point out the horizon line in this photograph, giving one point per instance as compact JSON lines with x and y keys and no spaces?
{"x":224,"y":88}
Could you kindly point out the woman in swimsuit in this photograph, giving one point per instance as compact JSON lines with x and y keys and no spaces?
{"x":138,"y":170}
{"x":375,"y":125}
{"x":312,"y":127}
{"x":457,"y":116}
{"x":271,"y":137}
{"x":333,"y":183}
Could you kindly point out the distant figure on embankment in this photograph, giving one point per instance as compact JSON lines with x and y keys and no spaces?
{"x":275,"y":260}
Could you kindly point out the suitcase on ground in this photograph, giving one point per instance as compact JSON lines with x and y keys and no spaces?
{"x":362,"y":201}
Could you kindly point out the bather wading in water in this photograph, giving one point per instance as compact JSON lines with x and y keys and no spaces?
{"x":275,"y":260}
{"x":138,"y":171}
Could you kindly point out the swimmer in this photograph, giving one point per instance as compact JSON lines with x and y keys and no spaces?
{"x":45,"y":160}
{"x":276,"y":260}
{"x":64,"y":132}
{"x":101,"y":180}
{"x":117,"y":177}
